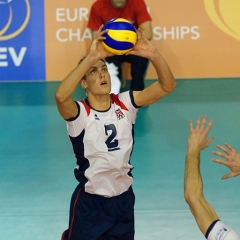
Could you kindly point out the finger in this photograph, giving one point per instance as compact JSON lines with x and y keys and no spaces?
{"x":139,"y":33}
{"x":222,"y":148}
{"x":219,"y":161}
{"x":229,"y":175}
{"x":203,"y":122}
{"x":209,"y":141}
{"x":198,"y":122}
{"x":100,"y":28}
{"x":220,"y":154}
{"x":225,"y":177}
{"x":230,"y":147}
{"x":191,"y":125}
{"x":209,"y":125}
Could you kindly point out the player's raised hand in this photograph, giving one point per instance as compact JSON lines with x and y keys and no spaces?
{"x":143,"y":47}
{"x":232,"y":159}
{"x":197,"y":139}
{"x":97,"y":48}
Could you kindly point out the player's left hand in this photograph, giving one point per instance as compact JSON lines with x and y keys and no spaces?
{"x":97,"y":50}
{"x":143,"y":47}
{"x":232,"y":158}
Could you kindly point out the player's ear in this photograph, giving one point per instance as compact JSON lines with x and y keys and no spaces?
{"x":83,"y":83}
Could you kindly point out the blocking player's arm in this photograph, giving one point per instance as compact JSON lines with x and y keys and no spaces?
{"x":193,"y":186}
{"x":202,"y":211}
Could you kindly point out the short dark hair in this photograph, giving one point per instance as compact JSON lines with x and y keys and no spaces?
{"x":84,"y":77}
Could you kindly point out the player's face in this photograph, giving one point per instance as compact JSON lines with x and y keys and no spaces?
{"x":118,"y":3}
{"x":97,"y":79}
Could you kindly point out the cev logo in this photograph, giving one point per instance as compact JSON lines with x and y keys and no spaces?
{"x":225,"y":14}
{"x":8,"y":24}
{"x":16,"y":58}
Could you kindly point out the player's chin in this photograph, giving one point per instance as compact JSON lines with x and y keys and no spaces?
{"x":106,"y":88}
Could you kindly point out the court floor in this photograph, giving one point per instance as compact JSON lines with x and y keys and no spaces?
{"x":36,"y":160}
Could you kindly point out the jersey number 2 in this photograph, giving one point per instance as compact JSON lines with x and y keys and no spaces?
{"x":111,"y":132}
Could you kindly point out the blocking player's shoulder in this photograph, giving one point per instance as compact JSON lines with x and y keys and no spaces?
{"x":220,"y":231}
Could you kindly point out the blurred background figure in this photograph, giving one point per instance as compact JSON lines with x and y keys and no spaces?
{"x":136,"y":12}
{"x":115,"y":81}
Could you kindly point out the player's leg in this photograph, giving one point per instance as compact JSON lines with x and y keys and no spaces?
{"x":123,"y":211}
{"x":82,"y":221}
{"x":139,"y":67}
{"x":65,"y":235}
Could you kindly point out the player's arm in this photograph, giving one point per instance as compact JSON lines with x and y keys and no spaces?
{"x":65,"y":103}
{"x":63,"y":96}
{"x":202,"y":211}
{"x":232,"y":160}
{"x":166,"y":81}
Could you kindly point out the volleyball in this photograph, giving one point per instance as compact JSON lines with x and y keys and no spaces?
{"x":121,"y":36}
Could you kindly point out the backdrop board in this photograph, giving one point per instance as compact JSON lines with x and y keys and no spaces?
{"x":44,"y":40}
{"x":22,"y":40}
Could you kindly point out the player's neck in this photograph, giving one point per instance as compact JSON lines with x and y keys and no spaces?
{"x":99,"y":102}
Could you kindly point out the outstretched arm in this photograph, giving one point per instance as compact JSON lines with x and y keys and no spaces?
{"x":166,"y":82}
{"x":232,"y":158}
{"x":202,"y":211}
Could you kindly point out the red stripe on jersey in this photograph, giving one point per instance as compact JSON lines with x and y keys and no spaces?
{"x":115,"y":99}
{"x":87,"y":108}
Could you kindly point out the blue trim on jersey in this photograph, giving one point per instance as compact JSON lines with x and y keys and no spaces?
{"x":132,"y":99}
{"x":87,"y":102}
{"x":210,"y":228}
{"x":130,"y":171}
{"x":82,"y":162}
{"x":74,"y":118}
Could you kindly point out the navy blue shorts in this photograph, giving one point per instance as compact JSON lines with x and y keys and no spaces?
{"x":94,"y":217}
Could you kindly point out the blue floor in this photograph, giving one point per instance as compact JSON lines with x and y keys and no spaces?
{"x":36,"y":173}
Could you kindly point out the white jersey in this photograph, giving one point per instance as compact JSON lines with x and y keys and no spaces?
{"x":102,"y":142}
{"x":220,"y":231}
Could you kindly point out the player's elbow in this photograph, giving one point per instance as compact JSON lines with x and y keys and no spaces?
{"x":192,"y":196}
{"x":188,"y":197}
{"x":60,"y":97}
{"x":169,"y":88}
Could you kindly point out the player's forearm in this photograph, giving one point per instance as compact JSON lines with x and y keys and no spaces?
{"x":165,"y":76}
{"x":71,"y":81}
{"x":193,"y":186}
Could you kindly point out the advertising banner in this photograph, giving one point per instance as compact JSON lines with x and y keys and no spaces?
{"x":45,"y":40}
{"x":22,"y":46}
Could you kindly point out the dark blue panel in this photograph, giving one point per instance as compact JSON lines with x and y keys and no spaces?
{"x":22,"y":40}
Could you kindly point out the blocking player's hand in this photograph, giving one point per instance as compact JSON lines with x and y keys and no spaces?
{"x":232,"y":159}
{"x":197,"y":139}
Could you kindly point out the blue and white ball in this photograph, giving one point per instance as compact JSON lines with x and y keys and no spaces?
{"x":121,"y":36}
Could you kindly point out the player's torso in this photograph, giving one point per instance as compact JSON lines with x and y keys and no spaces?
{"x":106,"y":142}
